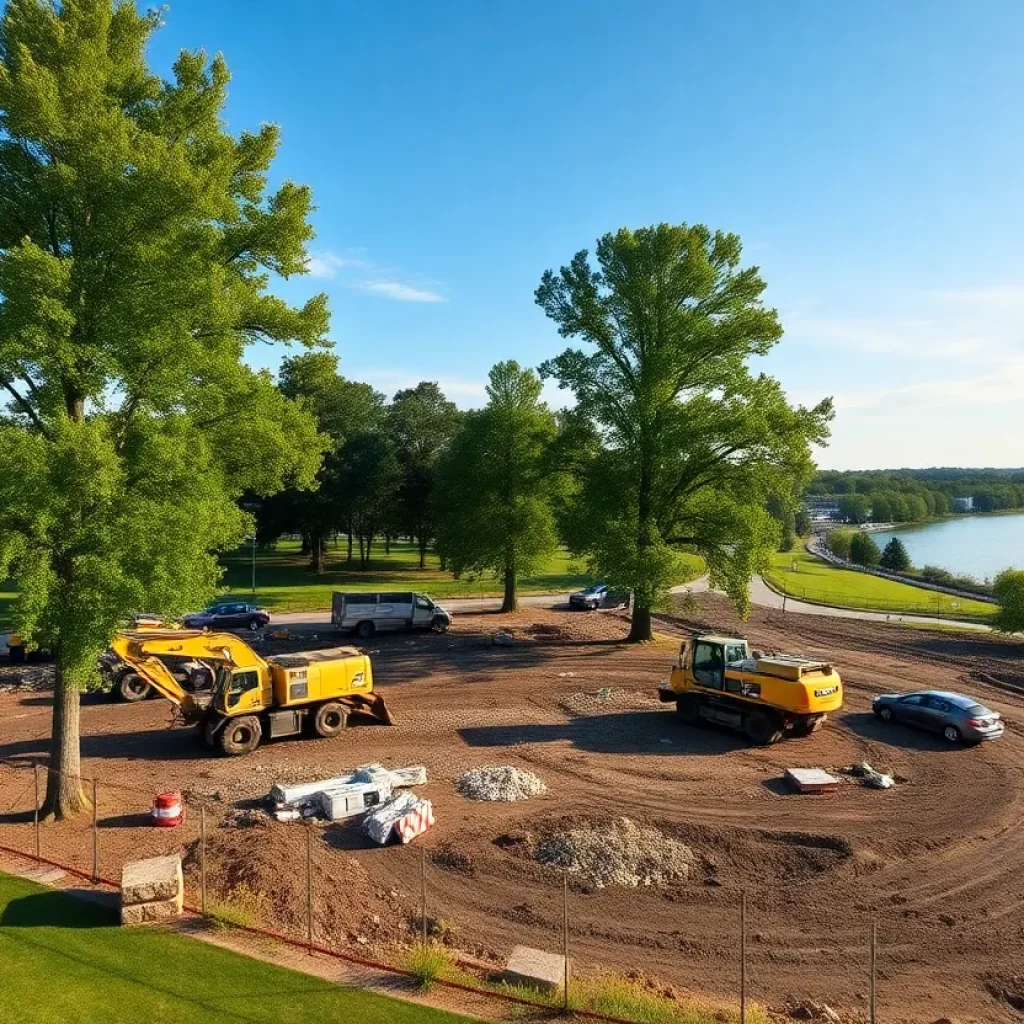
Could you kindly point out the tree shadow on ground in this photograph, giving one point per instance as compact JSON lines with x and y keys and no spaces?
{"x":627,"y":732}
{"x":57,"y":910}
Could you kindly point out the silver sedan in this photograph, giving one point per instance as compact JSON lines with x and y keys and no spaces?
{"x":960,"y":719}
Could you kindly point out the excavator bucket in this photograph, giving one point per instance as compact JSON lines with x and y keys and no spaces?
{"x":373,"y":704}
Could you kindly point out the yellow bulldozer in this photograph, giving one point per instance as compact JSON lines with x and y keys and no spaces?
{"x":765,"y":695}
{"x":253,"y":698}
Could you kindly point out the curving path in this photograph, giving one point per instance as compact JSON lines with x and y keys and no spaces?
{"x":764,"y":597}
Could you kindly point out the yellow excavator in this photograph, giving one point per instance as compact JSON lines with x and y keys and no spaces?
{"x":720,"y":681}
{"x":255,"y":698}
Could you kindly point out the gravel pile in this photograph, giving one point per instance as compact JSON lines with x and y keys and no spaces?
{"x":499,"y":782}
{"x":619,"y":853}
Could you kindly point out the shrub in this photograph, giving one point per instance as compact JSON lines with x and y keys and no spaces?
{"x":1009,"y":591}
{"x":244,"y":907}
{"x":430,"y":963}
{"x":895,"y":557}
{"x":864,"y":550}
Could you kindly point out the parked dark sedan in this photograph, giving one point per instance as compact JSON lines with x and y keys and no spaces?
{"x":598,"y":595}
{"x":959,"y":718}
{"x":229,"y":615}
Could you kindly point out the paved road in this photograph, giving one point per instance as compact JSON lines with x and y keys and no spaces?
{"x":318,"y":620}
{"x":763,"y":596}
{"x":760,"y":594}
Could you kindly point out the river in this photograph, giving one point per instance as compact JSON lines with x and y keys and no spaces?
{"x":978,"y":546}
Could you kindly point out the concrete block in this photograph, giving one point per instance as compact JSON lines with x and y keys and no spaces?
{"x":146,"y":913}
{"x":148,"y":881}
{"x":811,"y":780}
{"x":534,"y":967}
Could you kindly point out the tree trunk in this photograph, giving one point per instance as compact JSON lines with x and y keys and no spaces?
{"x":362,"y":556}
{"x":423,"y":550}
{"x":640,"y":627}
{"x":387,"y":543}
{"x":316,"y":553}
{"x":64,"y":793}
{"x":510,"y":604}
{"x":350,"y":541}
{"x":306,"y":546}
{"x":366,"y":556}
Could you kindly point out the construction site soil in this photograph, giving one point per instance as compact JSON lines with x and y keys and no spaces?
{"x":937,"y":862}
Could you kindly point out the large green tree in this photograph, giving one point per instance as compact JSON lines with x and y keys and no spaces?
{"x":499,"y":483}
{"x":421,"y":424}
{"x":695,"y":443}
{"x":137,"y":243}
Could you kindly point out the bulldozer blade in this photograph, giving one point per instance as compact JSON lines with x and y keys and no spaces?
{"x":375,"y":705}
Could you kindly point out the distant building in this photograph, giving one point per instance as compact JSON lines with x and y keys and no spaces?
{"x":822,"y":506}
{"x":963,"y":504}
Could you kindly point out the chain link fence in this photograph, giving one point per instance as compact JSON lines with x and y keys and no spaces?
{"x":428,"y":913}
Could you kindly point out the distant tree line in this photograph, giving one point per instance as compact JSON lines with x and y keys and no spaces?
{"x":910,"y":495}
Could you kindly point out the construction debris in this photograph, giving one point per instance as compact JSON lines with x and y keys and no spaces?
{"x":535,"y":969}
{"x":870,"y":777}
{"x":500,"y":782}
{"x":151,"y":890}
{"x":305,"y":794}
{"x":403,"y":817}
{"x":618,"y":853}
{"x":811,"y":780}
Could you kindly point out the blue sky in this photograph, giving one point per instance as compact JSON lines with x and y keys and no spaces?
{"x":869,"y":155}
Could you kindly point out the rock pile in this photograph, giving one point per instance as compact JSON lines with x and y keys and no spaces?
{"x":618,"y":853}
{"x":499,"y":782}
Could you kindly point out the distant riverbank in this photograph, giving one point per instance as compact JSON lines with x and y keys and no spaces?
{"x":979,"y":545}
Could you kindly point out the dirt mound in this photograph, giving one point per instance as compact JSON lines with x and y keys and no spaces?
{"x":499,"y":782}
{"x":618,"y":853}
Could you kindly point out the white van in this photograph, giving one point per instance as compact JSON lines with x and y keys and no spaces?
{"x":364,"y":613}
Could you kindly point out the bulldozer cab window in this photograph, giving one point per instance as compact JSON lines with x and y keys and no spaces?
{"x":709,"y":665}
{"x":242,"y":682}
{"x":734,"y":653}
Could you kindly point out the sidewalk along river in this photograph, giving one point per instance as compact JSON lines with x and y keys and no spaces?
{"x":979,"y":545}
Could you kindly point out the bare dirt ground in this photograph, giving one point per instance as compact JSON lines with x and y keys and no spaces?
{"x":938,"y":861}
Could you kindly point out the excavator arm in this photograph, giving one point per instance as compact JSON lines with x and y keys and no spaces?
{"x":141,"y":651}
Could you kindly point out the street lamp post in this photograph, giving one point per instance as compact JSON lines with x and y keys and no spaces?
{"x":254,"y":564}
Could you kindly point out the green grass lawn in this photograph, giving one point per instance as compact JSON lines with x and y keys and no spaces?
{"x":801,"y":575}
{"x":285,"y":583}
{"x":63,"y":959}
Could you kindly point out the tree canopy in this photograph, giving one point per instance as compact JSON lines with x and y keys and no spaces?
{"x":138,"y":239}
{"x":1009,"y":591}
{"x":864,"y":550}
{"x":694,"y":443}
{"x":895,"y":557}
{"x":499,"y":485}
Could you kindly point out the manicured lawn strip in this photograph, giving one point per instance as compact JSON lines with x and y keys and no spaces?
{"x":65,"y":959}
{"x":803,"y":576}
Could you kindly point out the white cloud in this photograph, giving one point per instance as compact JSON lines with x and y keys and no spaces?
{"x":398,"y":291}
{"x":1000,"y":296}
{"x":327,"y":264}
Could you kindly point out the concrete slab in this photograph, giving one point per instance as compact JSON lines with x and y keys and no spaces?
{"x":43,"y":875}
{"x":147,"y":881}
{"x":145,"y":913}
{"x":535,"y":968}
{"x":811,"y":780}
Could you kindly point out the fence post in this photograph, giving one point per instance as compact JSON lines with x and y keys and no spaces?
{"x":309,"y":889}
{"x":565,"y":941}
{"x":202,"y":858}
{"x":743,"y":957}
{"x":874,"y":938}
{"x":423,"y":896}
{"x":95,"y":837}
{"x":35,"y":772}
